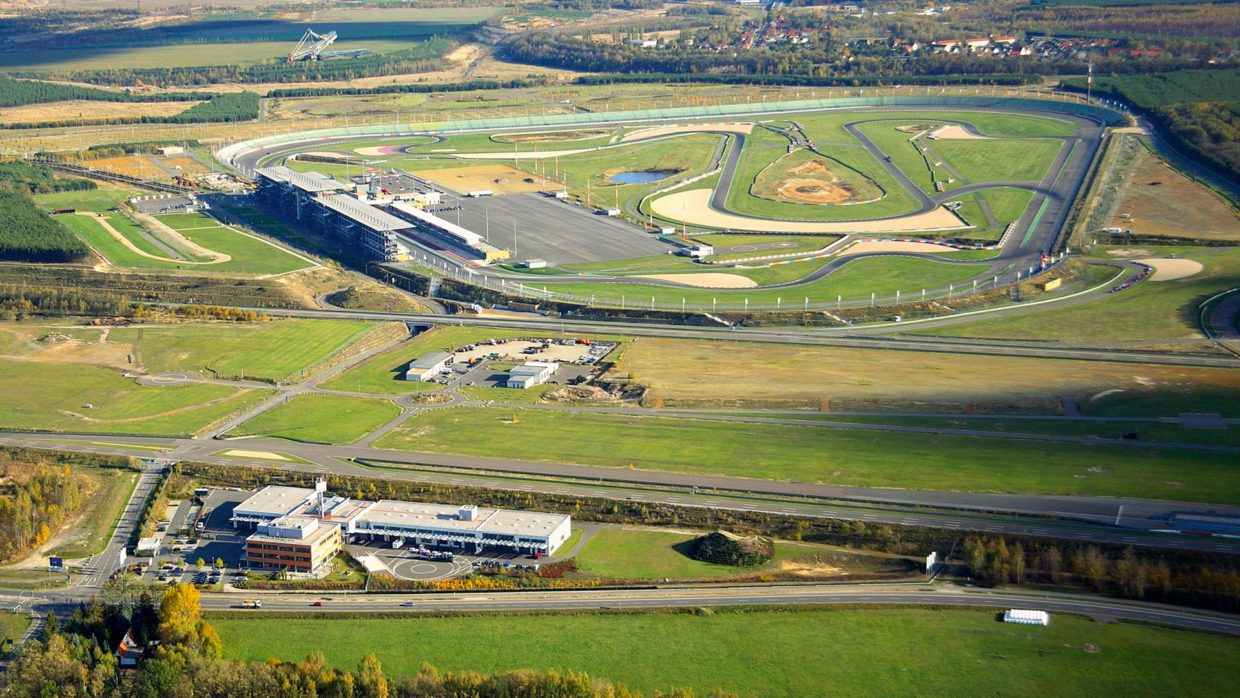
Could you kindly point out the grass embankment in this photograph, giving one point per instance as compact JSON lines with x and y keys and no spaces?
{"x":101,"y":510}
{"x":620,"y":553}
{"x":815,"y":454}
{"x":321,"y":419}
{"x":79,"y":398}
{"x":774,"y":653}
{"x":856,"y":280}
{"x":1155,"y":313}
{"x":12,"y":627}
{"x":276,"y":351}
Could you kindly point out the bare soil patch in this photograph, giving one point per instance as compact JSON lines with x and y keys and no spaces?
{"x":866,"y":246}
{"x":657,"y":131}
{"x":500,"y":179}
{"x":1156,"y":200}
{"x":548,"y":136}
{"x":707,"y":280}
{"x":88,"y":110}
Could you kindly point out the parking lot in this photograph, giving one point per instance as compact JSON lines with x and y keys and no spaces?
{"x":486,"y":363}
{"x":183,"y":543}
{"x":408,"y":563}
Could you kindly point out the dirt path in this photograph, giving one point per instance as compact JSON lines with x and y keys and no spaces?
{"x":185,"y":243}
{"x":119,"y":237}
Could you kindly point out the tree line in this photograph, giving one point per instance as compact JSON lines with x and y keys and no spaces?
{"x":185,"y":660}
{"x":16,"y":93}
{"x":35,"y":498}
{"x":32,"y":178}
{"x":29,"y":234}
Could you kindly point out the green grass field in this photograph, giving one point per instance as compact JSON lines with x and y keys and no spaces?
{"x":321,"y":419}
{"x":855,"y":281}
{"x":100,"y":513}
{"x":875,"y":652}
{"x":621,"y":553}
{"x":12,"y":627}
{"x":247,"y":254}
{"x":273,"y":351}
{"x":995,"y":160}
{"x":47,"y":396}
{"x":1153,"y":312}
{"x":811,"y":454}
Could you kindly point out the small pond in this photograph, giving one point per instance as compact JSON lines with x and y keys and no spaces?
{"x":641,"y":176}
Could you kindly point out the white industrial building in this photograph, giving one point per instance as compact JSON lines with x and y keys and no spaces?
{"x":1026,"y":617}
{"x":279,"y":512}
{"x":427,"y":367}
{"x":530,"y":374}
{"x":448,"y":232}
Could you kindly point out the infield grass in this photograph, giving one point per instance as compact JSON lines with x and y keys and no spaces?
{"x":814,"y":454}
{"x":275,"y":351}
{"x":321,"y":419}
{"x":873,"y":652}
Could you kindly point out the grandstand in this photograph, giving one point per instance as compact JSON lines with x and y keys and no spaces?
{"x":442,"y":232}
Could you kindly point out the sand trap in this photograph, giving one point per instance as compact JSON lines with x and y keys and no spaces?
{"x":1171,"y":269}
{"x":708,"y":280}
{"x":265,"y":455}
{"x":693,"y":206}
{"x":954,"y":132}
{"x":377,"y":150}
{"x":657,"y":131}
{"x":867,"y":246}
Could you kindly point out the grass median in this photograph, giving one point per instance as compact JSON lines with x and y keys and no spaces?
{"x":321,"y":419}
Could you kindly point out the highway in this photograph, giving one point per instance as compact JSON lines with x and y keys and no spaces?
{"x":1100,"y":608}
{"x":1091,"y":519}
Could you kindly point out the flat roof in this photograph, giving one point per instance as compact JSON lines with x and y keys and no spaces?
{"x":367,"y":215}
{"x":274,"y":501}
{"x":461,"y":233}
{"x":430,"y":360}
{"x":310,"y":539}
{"x":445,"y":518}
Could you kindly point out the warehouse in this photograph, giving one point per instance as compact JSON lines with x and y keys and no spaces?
{"x":530,"y":374}
{"x":467,"y":527}
{"x":290,"y":525}
{"x":428,"y":366}
{"x":319,"y":201}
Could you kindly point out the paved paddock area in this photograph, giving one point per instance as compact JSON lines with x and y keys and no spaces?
{"x":554,"y":230}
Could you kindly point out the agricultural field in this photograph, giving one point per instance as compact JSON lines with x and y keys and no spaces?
{"x":774,"y":652}
{"x":704,"y":375}
{"x":816,"y":454}
{"x":322,"y":419}
{"x":83,"y":110}
{"x":240,"y":350}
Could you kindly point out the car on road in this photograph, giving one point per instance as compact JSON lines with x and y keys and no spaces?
{"x":407,"y":604}
{"x":316,"y":603}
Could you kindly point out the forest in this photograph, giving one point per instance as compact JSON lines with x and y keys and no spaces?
{"x":17,"y":175}
{"x":16,"y":93}
{"x":35,"y":498}
{"x":29,"y":234}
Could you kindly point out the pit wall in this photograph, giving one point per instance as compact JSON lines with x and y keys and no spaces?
{"x":229,"y":153}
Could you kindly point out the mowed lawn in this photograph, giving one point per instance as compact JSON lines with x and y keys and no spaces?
{"x":248,"y":253}
{"x":998,"y":159}
{"x":320,"y":418}
{"x":12,"y":626}
{"x":46,"y":396}
{"x":102,"y":506}
{"x":273,"y":351}
{"x":816,"y":454}
{"x":624,"y":553}
{"x":796,"y":654}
